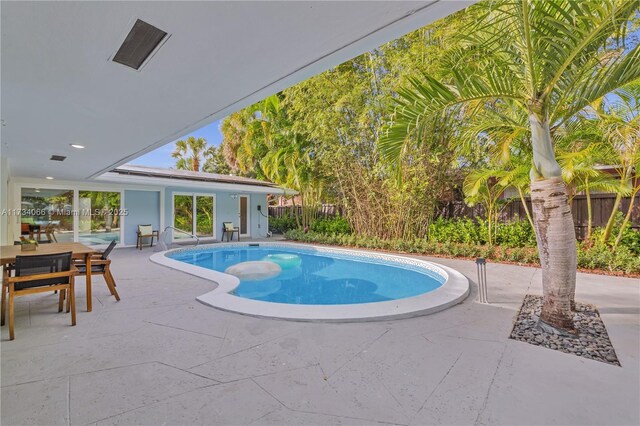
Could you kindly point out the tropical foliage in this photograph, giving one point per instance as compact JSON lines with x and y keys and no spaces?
{"x":501,"y":102}
{"x":549,"y":59}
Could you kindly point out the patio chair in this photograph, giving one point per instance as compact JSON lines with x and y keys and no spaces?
{"x":100,"y":264}
{"x":229,"y":229}
{"x":146,"y":231}
{"x":39,"y":274}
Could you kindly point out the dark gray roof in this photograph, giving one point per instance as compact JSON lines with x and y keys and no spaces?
{"x":129,"y":169}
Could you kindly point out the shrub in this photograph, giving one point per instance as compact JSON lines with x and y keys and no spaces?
{"x":331,"y":225}
{"x":515,"y":234}
{"x":598,"y":256}
{"x":468,"y":231}
{"x":280,"y":225}
{"x":457,"y":231}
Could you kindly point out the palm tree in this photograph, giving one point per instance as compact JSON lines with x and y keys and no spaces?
{"x":485,"y":187}
{"x":619,"y":121}
{"x":192,"y":152}
{"x":552,"y":59}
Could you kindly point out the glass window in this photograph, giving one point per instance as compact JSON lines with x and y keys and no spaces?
{"x":47,"y":214}
{"x":99,"y":215}
{"x":182,"y":216}
{"x":204,"y":216}
{"x":194,"y":215}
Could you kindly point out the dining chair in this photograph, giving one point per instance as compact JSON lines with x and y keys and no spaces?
{"x":100,"y":265}
{"x":39,"y":274}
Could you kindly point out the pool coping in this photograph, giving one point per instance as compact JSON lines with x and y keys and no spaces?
{"x":454,"y":290}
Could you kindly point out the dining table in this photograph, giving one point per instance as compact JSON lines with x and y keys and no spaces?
{"x":78,"y":251}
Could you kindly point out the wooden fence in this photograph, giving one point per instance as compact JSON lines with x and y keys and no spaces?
{"x":327,"y":210}
{"x":601,"y":205}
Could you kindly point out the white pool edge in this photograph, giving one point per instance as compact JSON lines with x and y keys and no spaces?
{"x":454,"y":290}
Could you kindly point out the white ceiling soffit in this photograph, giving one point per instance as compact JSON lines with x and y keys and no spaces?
{"x":60,"y":87}
{"x":192,"y":185}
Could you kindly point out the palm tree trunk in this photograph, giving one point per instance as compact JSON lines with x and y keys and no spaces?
{"x":626,"y":220}
{"x":625,"y":178}
{"x":555,"y":232}
{"x":606,"y":234}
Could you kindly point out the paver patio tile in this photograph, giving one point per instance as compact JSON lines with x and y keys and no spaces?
{"x":349,"y":393}
{"x":534,"y":386}
{"x":288,"y":417}
{"x":459,"y":396}
{"x":43,"y":402}
{"x":102,"y":394}
{"x":236,"y":403}
{"x":148,"y":343}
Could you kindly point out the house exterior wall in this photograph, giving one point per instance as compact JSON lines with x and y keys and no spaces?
{"x":144,"y":204}
{"x":5,"y":236}
{"x":143,"y":207}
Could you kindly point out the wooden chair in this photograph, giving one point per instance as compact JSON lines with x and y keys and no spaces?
{"x":229,"y":229}
{"x":146,"y":231}
{"x":100,"y":264}
{"x":38,"y":274}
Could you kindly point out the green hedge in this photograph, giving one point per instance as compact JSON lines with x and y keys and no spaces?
{"x":331,"y":225}
{"x":280,"y":225}
{"x":468,"y":231}
{"x":595,"y":257}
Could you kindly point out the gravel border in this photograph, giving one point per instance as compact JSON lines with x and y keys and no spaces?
{"x":591,"y":342}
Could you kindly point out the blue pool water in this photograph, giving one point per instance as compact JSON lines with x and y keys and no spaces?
{"x":309,"y":277}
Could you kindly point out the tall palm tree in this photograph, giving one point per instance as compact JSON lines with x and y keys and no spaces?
{"x":190,"y":153}
{"x":552,"y":59}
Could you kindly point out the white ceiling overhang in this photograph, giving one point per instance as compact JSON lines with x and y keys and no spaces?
{"x":59,"y":86}
{"x":192,"y":185}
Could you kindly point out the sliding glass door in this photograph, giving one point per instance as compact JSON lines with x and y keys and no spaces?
{"x":182,"y":216}
{"x":56,"y":215}
{"x":99,"y":217}
{"x":47,"y":214}
{"x":193,"y":214}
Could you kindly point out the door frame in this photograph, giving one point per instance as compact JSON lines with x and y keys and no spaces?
{"x":248,"y":197}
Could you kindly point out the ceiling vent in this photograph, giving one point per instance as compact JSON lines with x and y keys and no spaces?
{"x":58,"y":158}
{"x":141,"y":42}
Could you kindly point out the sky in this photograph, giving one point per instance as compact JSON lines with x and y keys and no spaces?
{"x":161,"y":157}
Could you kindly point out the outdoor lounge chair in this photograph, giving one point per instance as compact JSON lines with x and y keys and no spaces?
{"x":229,"y":229}
{"x":38,"y":274}
{"x":100,"y":264}
{"x":146,"y":231}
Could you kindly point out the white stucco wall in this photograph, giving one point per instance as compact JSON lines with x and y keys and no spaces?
{"x":5,"y":238}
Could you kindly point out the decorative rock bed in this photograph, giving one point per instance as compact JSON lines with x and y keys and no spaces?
{"x":592,"y":340}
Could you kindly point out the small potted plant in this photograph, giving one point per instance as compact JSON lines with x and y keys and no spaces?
{"x":28,"y":245}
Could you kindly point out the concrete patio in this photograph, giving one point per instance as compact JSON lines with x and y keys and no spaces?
{"x":160,"y":357}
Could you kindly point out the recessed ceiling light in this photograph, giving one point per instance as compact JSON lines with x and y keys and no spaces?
{"x":49,"y":178}
{"x":75,"y":145}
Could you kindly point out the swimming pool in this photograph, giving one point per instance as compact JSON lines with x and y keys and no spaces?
{"x":296,"y":281}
